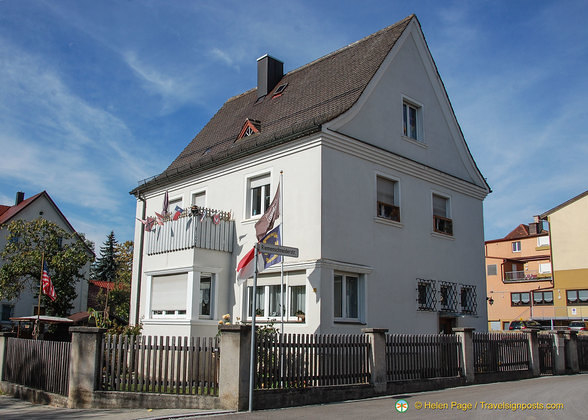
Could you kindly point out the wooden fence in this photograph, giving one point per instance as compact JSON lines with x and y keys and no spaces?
{"x":410,"y":357}
{"x":160,"y":364}
{"x":38,"y":364}
{"x":500,"y":352}
{"x":304,"y":360}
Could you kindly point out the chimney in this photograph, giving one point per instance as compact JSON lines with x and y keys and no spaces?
{"x":19,"y":198}
{"x":269,"y":73}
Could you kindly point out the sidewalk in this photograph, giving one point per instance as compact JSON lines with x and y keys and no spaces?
{"x":15,"y":409}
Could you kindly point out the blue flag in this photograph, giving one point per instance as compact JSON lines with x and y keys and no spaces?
{"x":272,"y":238}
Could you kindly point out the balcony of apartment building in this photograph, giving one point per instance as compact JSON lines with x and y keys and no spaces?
{"x":521,"y":276}
{"x":195,"y":227}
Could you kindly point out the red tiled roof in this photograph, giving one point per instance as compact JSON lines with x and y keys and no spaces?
{"x":520,"y":231}
{"x":10,"y":212}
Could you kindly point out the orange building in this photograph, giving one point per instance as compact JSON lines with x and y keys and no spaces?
{"x":519,"y":283}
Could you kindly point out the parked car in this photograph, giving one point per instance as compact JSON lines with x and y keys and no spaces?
{"x":578,"y":326}
{"x":524,"y":325}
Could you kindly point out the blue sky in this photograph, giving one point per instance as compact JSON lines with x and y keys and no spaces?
{"x":96,"y":95}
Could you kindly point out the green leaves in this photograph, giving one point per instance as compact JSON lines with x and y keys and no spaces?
{"x":66,"y":255}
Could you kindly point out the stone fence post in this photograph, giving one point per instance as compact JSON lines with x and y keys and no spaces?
{"x":4,"y":336}
{"x":84,"y":365}
{"x":559,"y":354}
{"x":466,"y":335}
{"x":378,"y":368}
{"x":572,"y":351}
{"x":534,"y":363}
{"x":233,"y":381}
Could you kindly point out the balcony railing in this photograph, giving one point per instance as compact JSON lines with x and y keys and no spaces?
{"x":204,"y":228}
{"x":527,"y":275}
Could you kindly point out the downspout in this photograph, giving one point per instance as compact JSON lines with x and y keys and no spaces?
{"x":140,"y":263}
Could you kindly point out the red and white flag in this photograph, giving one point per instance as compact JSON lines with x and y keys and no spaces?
{"x":246,"y":267}
{"x":159,"y":219}
{"x":46,"y":283}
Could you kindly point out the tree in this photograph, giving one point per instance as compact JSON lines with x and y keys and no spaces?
{"x":104,"y":268}
{"x":115,"y":301}
{"x":28,"y":243}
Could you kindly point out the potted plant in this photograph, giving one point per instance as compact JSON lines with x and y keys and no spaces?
{"x":300,"y":314}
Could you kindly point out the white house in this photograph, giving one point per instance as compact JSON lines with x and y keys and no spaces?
{"x":37,"y":206}
{"x":380,"y":194}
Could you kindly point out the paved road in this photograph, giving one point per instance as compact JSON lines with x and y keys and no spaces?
{"x":569,"y":392}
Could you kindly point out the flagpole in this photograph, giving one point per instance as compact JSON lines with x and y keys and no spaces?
{"x":253,"y":314}
{"x":282,"y":307}
{"x":40,"y":291}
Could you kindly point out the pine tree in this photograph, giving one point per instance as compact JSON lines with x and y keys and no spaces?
{"x":105,"y":266}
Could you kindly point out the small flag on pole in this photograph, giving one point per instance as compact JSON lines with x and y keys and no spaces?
{"x":47,"y":285}
{"x":266,"y":222}
{"x":159,"y":219}
{"x":178,"y":212}
{"x":165,"y":204}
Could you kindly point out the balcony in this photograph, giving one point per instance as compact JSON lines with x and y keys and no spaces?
{"x":201,"y":228}
{"x":525,"y":276}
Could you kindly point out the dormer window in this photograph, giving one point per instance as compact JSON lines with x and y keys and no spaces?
{"x":280,"y":90}
{"x":249,"y":128}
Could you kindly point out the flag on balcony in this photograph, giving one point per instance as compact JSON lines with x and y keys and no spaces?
{"x":46,"y":284}
{"x":148,"y":223}
{"x":178,"y":212}
{"x":165,"y":204}
{"x":159,"y":219}
{"x":266,"y":222}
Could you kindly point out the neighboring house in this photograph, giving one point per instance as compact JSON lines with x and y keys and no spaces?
{"x":380,"y":194}
{"x":569,"y":255}
{"x":518,"y":277}
{"x":37,"y":206}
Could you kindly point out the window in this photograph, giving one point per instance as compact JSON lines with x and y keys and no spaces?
{"x":544,"y":268}
{"x":516,"y":246}
{"x":426,"y":295}
{"x":468,"y":299}
{"x":411,"y":115}
{"x":258,"y":195}
{"x":168,"y":295}
{"x":441,"y":215}
{"x":543,"y":241}
{"x":199,"y":199}
{"x":297,"y":301}
{"x":275,"y":300}
{"x":520,"y":299}
{"x":7,"y":311}
{"x":346,"y":297}
{"x":577,"y":297}
{"x":259,"y":301}
{"x":492,"y":271}
{"x":387,"y":199}
{"x":206,"y":297}
{"x":543,"y":298}
{"x":448,"y":296}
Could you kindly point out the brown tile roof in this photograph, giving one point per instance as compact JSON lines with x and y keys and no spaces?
{"x":521,"y":231}
{"x":317,"y":93}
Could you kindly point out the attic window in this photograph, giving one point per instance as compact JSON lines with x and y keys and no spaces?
{"x":280,"y":90}
{"x":249,"y":128}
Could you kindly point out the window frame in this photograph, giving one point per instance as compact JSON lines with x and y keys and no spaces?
{"x":495,"y":269}
{"x":267,"y":293}
{"x":360,"y":293}
{"x":577,"y":301}
{"x":520,"y":301}
{"x":407,"y":104}
{"x":211,"y":297}
{"x":195,"y":193}
{"x":429,"y":303}
{"x":266,"y":190}
{"x":543,"y":301}
{"x":516,"y":246}
{"x":442,"y":224}
{"x":394,"y":210}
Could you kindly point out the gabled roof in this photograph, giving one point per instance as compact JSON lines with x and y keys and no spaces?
{"x":12,"y":211}
{"x":521,"y":231}
{"x":317,"y":93}
{"x":562,"y":205}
